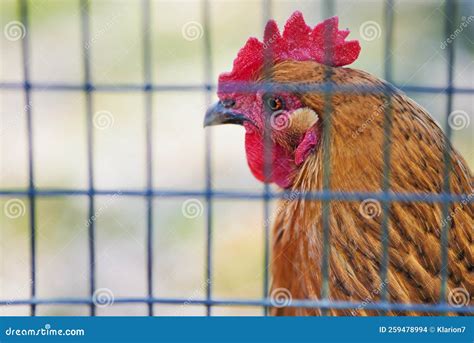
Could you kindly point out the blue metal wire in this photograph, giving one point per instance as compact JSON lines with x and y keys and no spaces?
{"x":147,"y":77}
{"x":229,"y":194}
{"x":86,"y":55}
{"x":23,"y":7}
{"x":245,"y":87}
{"x":267,"y":9}
{"x":450,"y":10}
{"x":328,"y":9}
{"x":209,"y":193}
{"x":321,"y":304}
{"x":387,"y":147}
{"x":208,"y":157}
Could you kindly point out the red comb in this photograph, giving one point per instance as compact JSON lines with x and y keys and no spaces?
{"x":298,"y":42}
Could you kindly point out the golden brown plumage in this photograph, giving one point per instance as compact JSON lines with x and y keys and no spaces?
{"x":289,"y":153}
{"x":357,"y":166}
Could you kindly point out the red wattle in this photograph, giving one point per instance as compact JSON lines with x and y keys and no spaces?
{"x":282,"y":167}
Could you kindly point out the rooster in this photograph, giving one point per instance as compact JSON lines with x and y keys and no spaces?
{"x":292,"y":123}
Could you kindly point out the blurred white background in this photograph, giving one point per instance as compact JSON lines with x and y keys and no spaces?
{"x":116,"y":48}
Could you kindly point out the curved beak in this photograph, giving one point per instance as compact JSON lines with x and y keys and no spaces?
{"x":219,"y":114}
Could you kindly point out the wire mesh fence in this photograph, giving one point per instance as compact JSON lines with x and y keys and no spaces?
{"x":209,"y":193}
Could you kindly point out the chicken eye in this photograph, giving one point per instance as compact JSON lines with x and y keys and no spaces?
{"x":274,"y":103}
{"x":228,"y":103}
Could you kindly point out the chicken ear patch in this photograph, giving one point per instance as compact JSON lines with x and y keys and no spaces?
{"x":325,"y":44}
{"x":303,"y":123}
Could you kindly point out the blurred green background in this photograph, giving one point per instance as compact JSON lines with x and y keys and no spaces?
{"x":59,"y":131}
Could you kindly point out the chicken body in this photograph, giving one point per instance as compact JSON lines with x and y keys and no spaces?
{"x":294,"y":122}
{"x":356,"y":165}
